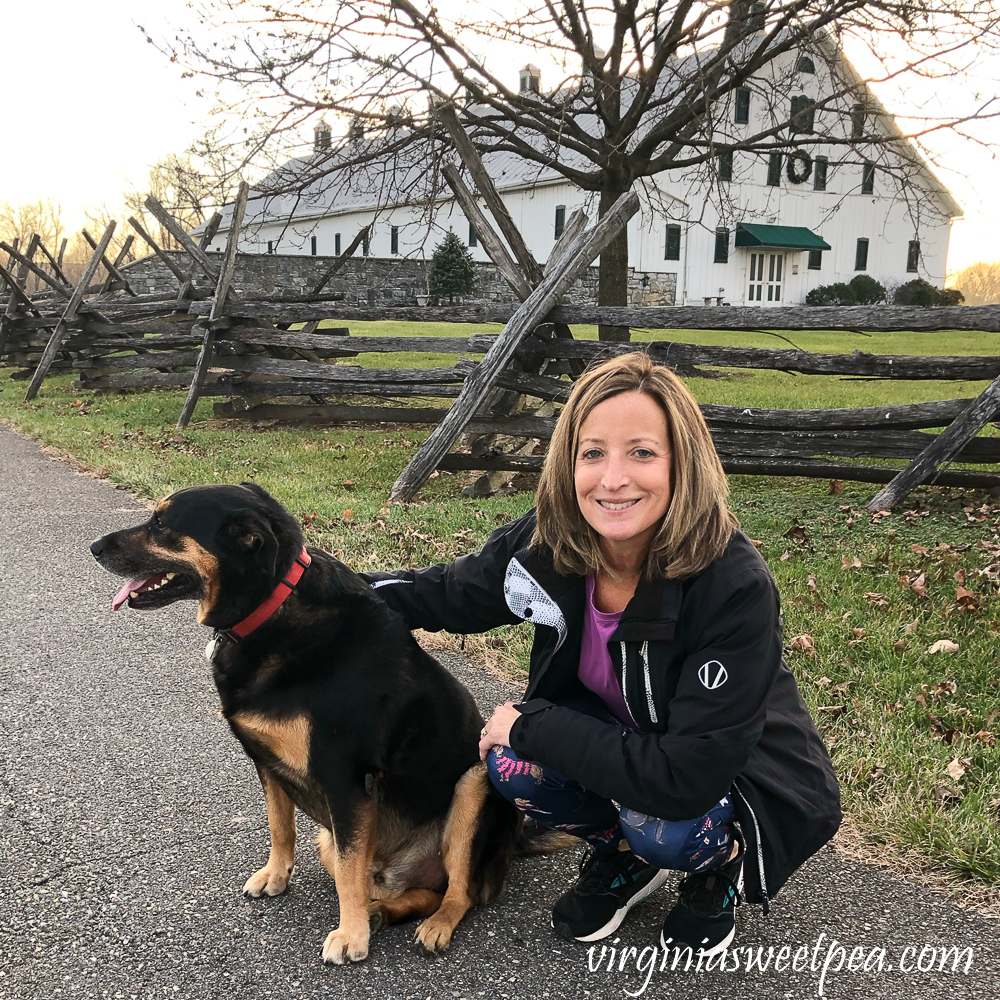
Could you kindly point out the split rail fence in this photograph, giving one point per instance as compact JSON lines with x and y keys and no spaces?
{"x":209,"y":338}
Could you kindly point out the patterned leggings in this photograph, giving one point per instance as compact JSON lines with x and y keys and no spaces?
{"x":558,"y":802}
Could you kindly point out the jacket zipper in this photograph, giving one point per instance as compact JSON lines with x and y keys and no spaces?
{"x":764,"y":898}
{"x":649,"y":686}
{"x":624,"y":680}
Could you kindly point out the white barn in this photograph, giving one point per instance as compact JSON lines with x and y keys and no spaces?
{"x":755,"y":230}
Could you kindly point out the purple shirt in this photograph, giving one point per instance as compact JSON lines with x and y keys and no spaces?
{"x":596,"y":672}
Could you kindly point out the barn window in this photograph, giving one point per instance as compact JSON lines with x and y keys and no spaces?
{"x":336,"y":244}
{"x":560,"y":220}
{"x":312,"y":245}
{"x":815,"y":260}
{"x":802,"y":115}
{"x":473,"y":236}
{"x":912,"y":256}
{"x":394,"y":240}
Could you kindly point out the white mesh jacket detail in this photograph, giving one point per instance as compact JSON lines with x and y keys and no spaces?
{"x":529,"y":601}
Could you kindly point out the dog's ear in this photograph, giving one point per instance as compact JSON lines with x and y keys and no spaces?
{"x":254,"y":535}
{"x":258,"y":491}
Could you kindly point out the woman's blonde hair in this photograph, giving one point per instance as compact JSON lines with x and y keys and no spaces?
{"x":698,"y":524}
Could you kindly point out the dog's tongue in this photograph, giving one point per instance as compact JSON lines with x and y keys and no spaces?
{"x":137,"y":584}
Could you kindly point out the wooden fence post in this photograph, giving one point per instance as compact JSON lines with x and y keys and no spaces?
{"x":942,"y":449}
{"x":218,"y":306}
{"x":59,"y":333}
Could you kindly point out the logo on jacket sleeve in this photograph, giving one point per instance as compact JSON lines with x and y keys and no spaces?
{"x":712,"y":674}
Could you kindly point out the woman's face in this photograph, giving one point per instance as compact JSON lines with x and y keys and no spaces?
{"x":622,"y":473}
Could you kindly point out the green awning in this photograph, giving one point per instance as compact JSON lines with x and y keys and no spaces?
{"x":783,"y":237}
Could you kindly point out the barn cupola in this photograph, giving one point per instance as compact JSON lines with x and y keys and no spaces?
{"x":321,"y":137}
{"x":531,"y":80}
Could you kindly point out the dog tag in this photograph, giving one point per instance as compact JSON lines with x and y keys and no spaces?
{"x":211,"y":648}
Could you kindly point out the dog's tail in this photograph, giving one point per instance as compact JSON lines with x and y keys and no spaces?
{"x":533,"y":838}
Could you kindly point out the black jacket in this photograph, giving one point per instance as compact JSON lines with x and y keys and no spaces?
{"x":700,"y":664}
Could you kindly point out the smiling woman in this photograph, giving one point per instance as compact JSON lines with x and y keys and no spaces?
{"x":659,"y":723}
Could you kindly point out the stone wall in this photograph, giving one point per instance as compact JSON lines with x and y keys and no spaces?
{"x":380,"y":281}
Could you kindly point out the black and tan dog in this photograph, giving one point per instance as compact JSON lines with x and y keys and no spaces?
{"x":342,"y":713}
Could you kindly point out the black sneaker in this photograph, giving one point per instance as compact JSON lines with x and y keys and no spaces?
{"x":703,"y":918}
{"x":610,"y":884}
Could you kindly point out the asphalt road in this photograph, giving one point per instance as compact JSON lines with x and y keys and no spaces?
{"x":129,"y":820}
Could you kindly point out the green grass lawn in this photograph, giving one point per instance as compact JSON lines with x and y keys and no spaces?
{"x":912,"y":732}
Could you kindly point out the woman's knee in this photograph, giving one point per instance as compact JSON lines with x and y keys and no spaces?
{"x":682,"y":845}
{"x":512,"y":777}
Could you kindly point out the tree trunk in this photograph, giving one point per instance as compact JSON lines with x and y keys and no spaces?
{"x":612,"y":285}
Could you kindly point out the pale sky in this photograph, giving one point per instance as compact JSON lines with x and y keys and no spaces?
{"x":89,"y":105}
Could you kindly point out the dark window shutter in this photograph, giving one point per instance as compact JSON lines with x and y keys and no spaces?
{"x":721,"y":245}
{"x":672,"y":250}
{"x":815,"y":260}
{"x":336,"y":244}
{"x":560,"y":220}
{"x":312,"y":245}
{"x":726,"y":165}
{"x":742,"y":113}
{"x":857,"y":121}
{"x":868,"y":177}
{"x":913,"y":256}
{"x":861,"y":255}
{"x":473,"y":236}
{"x":774,"y":170}
{"x":394,"y":240}
{"x":820,"y":164}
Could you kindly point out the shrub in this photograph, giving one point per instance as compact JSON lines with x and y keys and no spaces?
{"x":867,"y":289}
{"x":921,"y":293}
{"x":839,"y":294}
{"x":451,"y":270}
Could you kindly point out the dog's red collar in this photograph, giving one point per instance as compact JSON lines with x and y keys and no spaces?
{"x":278,"y":597}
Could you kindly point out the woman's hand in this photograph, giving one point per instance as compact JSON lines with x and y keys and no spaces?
{"x":496,"y":732}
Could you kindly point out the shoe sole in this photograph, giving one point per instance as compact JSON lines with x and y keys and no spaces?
{"x":615,"y":922}
{"x":701,"y":953}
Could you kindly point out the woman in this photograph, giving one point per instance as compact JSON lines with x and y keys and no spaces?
{"x":659,"y":723}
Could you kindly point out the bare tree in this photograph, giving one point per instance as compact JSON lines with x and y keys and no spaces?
{"x":643,"y":88}
{"x":979,"y":283}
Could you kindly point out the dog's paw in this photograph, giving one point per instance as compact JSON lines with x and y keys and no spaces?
{"x":340,"y":948}
{"x":268,"y":882}
{"x":377,"y":917}
{"x":434,"y":934}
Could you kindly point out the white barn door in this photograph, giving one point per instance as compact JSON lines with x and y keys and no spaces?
{"x":767,"y":272}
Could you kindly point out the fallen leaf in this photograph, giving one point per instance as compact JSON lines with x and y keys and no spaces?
{"x":877,"y":600}
{"x":348,"y":514}
{"x":836,"y":487}
{"x":785,"y":556}
{"x":943,"y":646}
{"x":985,"y":736}
{"x":945,"y":689}
{"x":900,"y":644}
{"x":955,"y":769}
{"x":859,"y":633}
{"x":966,"y":598}
{"x":911,"y":627}
{"x":804,"y":644}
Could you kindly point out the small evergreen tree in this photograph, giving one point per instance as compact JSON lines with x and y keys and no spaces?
{"x":452,"y":271}
{"x":867,"y":289}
